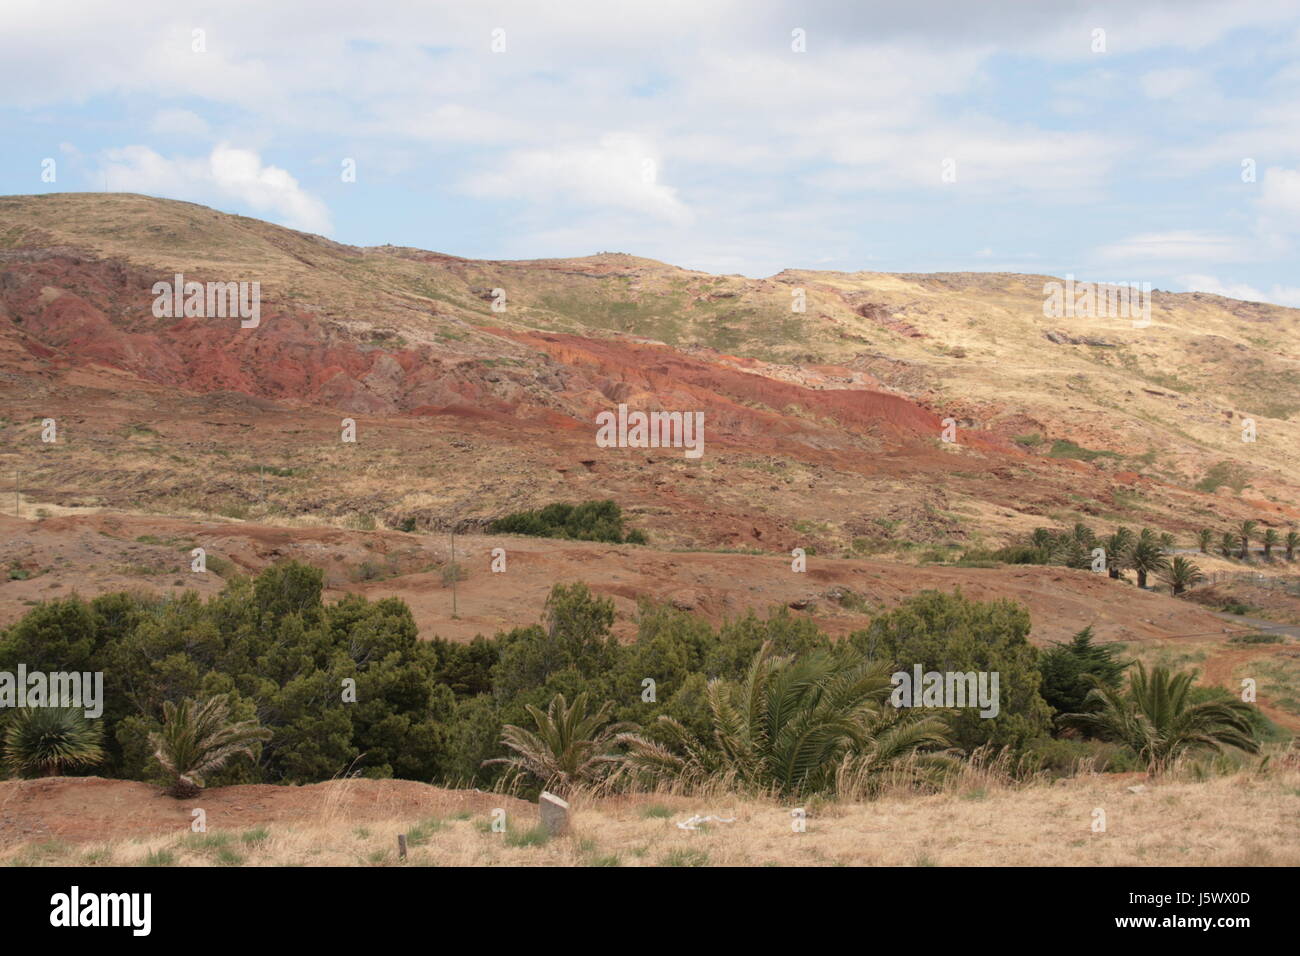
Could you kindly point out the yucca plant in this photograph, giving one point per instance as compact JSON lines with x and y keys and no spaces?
{"x":791,"y":726}
{"x":1155,"y":718}
{"x":46,"y":741}
{"x":1146,"y":556}
{"x":571,"y":744}
{"x":1244,"y":534}
{"x":1205,"y":538}
{"x":1270,"y":540}
{"x":198,"y":738}
{"x":1182,"y":574}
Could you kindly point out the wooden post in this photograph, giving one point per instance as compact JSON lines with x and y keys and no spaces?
{"x":454,"y":574}
{"x":401,"y":846}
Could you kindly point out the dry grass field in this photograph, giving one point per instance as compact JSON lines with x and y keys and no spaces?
{"x":1245,"y":818}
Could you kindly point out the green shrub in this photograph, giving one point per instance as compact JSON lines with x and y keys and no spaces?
{"x":1064,"y":448}
{"x":273,"y":646}
{"x":50,"y":741}
{"x":948,"y":632}
{"x":1071,"y":670}
{"x":419,"y":834}
{"x":431,"y":710}
{"x":219,"y":565}
{"x":254,"y":837}
{"x":1256,"y":639}
{"x":1063,"y":757}
{"x":1223,"y":473}
{"x":589,"y":521}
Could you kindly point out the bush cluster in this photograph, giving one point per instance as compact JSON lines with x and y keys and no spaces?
{"x":350,"y":688}
{"x":589,"y":521}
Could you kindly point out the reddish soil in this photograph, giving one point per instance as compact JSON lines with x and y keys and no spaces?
{"x":93,"y":553}
{"x":90,"y":809}
{"x":1221,"y":669}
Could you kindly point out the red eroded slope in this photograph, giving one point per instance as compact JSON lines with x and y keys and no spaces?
{"x":655,"y":376}
{"x":74,"y":312}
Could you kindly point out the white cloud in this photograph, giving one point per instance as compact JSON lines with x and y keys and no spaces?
{"x":226,"y":173}
{"x":1175,"y":247}
{"x":1279,"y":198}
{"x":1282,"y":295}
{"x":1162,"y":84}
{"x":185,"y":124}
{"x":746,"y":131}
{"x":621,"y":171}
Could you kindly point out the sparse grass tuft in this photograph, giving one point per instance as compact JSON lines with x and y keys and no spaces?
{"x":685,"y":857}
{"x":535,"y":836}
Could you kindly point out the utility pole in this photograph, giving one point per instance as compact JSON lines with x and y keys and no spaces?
{"x":454,"y":571}
{"x":18,"y":505}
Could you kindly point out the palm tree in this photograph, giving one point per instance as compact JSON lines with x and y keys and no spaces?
{"x":1183,"y":574}
{"x":1072,"y":552}
{"x":1117,"y":547}
{"x":1083,"y":534}
{"x":1146,"y":556}
{"x":1158,"y":722}
{"x":793,"y":727}
{"x":1270,"y":541}
{"x":1204,"y":538}
{"x":1167,"y":541}
{"x":1042,"y":539}
{"x":1244,"y":534}
{"x":571,"y":745}
{"x":1291,"y":543}
{"x":198,"y":738}
{"x":45,"y":741}
{"x":1228,"y":544}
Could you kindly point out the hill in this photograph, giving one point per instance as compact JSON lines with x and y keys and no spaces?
{"x":823,"y":427}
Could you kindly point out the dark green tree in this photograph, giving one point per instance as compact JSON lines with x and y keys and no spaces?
{"x":950,"y":633}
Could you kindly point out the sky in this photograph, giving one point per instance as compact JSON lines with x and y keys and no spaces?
{"x":1128,"y":141}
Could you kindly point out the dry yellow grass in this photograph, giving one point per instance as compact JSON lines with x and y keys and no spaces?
{"x":1244,"y":819}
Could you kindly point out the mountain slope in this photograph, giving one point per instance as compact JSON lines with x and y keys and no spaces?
{"x":822,"y":427}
